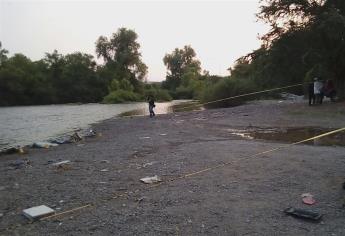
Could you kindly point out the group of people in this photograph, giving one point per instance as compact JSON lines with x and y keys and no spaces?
{"x":318,"y":90}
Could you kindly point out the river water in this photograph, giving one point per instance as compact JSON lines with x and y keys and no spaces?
{"x":20,"y":126}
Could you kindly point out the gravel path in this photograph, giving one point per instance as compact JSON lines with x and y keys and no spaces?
{"x":244,"y":198}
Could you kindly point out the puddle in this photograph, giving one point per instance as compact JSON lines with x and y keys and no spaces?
{"x":291,"y":135}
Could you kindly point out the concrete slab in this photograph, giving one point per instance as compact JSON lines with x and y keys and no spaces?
{"x":38,"y":212}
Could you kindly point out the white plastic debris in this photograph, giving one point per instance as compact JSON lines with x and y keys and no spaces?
{"x":61,"y":163}
{"x":147,"y":137}
{"x":149,"y":164}
{"x":151,"y":180}
{"x":38,"y":212}
{"x":104,"y":170}
{"x":44,"y":145}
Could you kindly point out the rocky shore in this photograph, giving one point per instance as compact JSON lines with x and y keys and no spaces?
{"x":246,"y":197}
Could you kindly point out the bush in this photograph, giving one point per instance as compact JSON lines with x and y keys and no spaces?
{"x":228,"y":88}
{"x":121,"y":96}
{"x":159,"y":95}
{"x":184,"y":92}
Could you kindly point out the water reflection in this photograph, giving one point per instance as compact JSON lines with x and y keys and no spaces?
{"x":291,"y":135}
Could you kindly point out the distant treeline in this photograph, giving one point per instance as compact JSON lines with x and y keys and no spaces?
{"x":76,"y":77}
{"x":306,"y":40}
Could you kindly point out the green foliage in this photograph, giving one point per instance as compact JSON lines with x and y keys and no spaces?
{"x":178,"y":63}
{"x":114,"y":85}
{"x":121,"y":52}
{"x":306,"y":40}
{"x":126,"y":85}
{"x":226,"y":88}
{"x":156,"y":92}
{"x":121,"y":96}
{"x":55,"y":79}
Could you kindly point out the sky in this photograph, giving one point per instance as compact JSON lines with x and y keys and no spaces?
{"x":219,"y":31}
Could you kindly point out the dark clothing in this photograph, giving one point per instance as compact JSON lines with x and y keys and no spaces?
{"x":329,"y":90}
{"x":311,"y":94}
{"x":151,"y":106}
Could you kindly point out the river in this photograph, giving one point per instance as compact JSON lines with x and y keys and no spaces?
{"x":24,"y":125}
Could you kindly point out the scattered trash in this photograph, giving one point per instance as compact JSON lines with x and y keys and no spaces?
{"x":38,"y":212}
{"x":60,"y":141}
{"x":163,"y":134}
{"x":61,"y":163}
{"x":304,"y":214}
{"x":291,"y":97}
{"x":91,"y":133}
{"x":149,"y":164}
{"x":21,"y":150}
{"x":200,"y":118}
{"x":139,"y":200}
{"x":145,"y":137}
{"x":14,"y":150}
{"x":43,"y":145}
{"x":104,"y":170}
{"x":80,"y":145}
{"x":19,"y":164}
{"x":105,"y":161}
{"x":75,"y":138}
{"x":151,"y":180}
{"x":308,"y":199}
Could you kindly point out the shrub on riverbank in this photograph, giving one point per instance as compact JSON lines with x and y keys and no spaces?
{"x":160,"y":95}
{"x":226,"y":88}
{"x":121,"y":96}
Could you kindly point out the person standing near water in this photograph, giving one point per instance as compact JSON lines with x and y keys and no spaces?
{"x":311,"y":93}
{"x":151,"y":106}
{"x":318,"y":86}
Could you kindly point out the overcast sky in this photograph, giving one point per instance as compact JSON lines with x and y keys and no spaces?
{"x":219,"y":31}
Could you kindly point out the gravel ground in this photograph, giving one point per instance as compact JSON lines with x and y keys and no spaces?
{"x":246,"y":197}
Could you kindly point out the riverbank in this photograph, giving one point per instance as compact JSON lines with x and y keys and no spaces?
{"x":245,"y":198}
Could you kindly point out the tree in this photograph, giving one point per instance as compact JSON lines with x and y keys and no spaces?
{"x":306,"y":39}
{"x":121,"y":53}
{"x":178,"y":63}
{"x":79,"y":81}
{"x":3,"y":54}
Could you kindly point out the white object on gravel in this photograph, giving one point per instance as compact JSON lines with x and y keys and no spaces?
{"x":151,"y":180}
{"x":37,"y":212}
{"x":61,"y":163}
